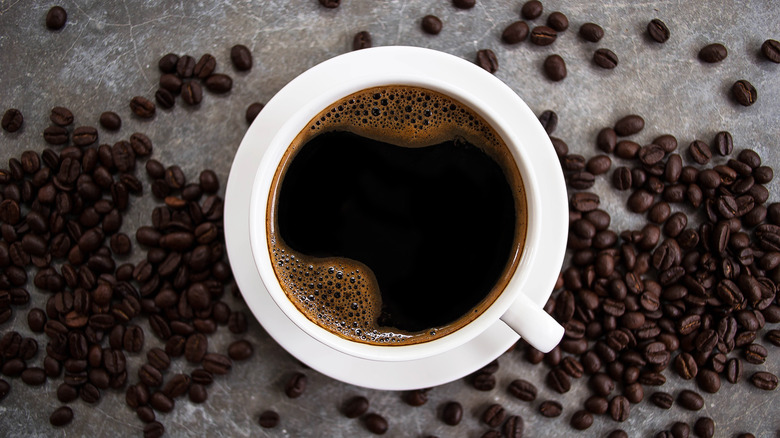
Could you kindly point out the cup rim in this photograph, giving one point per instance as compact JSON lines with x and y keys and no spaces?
{"x":400,"y":66}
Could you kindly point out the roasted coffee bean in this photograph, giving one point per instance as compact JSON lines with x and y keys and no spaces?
{"x":523,"y":389}
{"x":558,"y":380}
{"x":36,"y":376}
{"x":56,"y":135}
{"x":494,"y":415}
{"x":241,"y":57}
{"x":355,"y":406}
{"x":605,"y":58}
{"x":237,"y":324}
{"x":550,"y":408}
{"x":452,"y":413}
{"x":690,"y":400}
{"x":219,"y":83}
{"x":110,"y":121}
{"x":514,"y":426}
{"x":89,"y":393}
{"x":150,"y":376}
{"x":599,"y":164}
{"x":252,"y":111}
{"x":196,"y":348}
{"x":155,"y":429}
{"x":558,"y":21}
{"x":531,"y":9}
{"x":596,"y":404}
{"x":63,"y":415}
{"x":376,"y":423}
{"x":755,"y":354}
{"x":205,"y":66}
{"x":621,"y":178}
{"x":296,"y":385}
{"x":142,"y":107}
{"x":581,"y":420}
{"x":555,"y":68}
{"x":61,"y":116}
{"x":662,"y":399}
{"x":240,"y":350}
{"x":744,"y":93}
{"x":487,"y":60}
{"x":699,"y":152}
{"x":686,"y":366}
{"x":177,"y":386}
{"x":543,"y":35}
{"x":84,"y":136}
{"x":708,"y":380}
{"x":464,"y":4}
{"x":167,"y":64}
{"x":713,"y":53}
{"x":591,"y":32}
{"x":629,"y":125}
{"x":133,"y":340}
{"x":161,"y":402}
{"x":640,"y":201}
{"x":658,"y":31}
{"x":483,"y":381}
{"x":704,"y":427}
{"x":145,"y":414}
{"x":771,"y":50}
{"x":431,"y":24}
{"x":270,"y":419}
{"x":619,"y":408}
{"x":515,"y":33}
{"x":164,"y":98}
{"x":549,"y":121}
{"x":417,"y":397}
{"x":185,"y":66}
{"x":760,"y":379}
{"x":55,"y":20}
{"x":192,"y":93}
{"x":330,"y":4}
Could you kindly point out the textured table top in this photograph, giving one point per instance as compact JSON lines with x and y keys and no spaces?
{"x":108,"y":52}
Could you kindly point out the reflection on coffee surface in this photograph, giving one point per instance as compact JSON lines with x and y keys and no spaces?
{"x":396,"y":216}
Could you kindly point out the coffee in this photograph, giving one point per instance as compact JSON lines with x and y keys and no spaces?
{"x":396,"y":216}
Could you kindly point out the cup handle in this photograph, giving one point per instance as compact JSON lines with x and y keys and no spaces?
{"x":533,"y":324}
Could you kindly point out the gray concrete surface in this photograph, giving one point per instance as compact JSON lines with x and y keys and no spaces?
{"x":108,"y":52}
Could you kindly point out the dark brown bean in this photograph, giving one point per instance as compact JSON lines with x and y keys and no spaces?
{"x":431,"y":24}
{"x":591,"y":32}
{"x":269,"y":419}
{"x":61,"y":416}
{"x":543,"y":35}
{"x":744,"y":93}
{"x":605,"y":58}
{"x":487,"y":59}
{"x":515,"y":33}
{"x":581,"y":420}
{"x":713,"y":53}
{"x":690,"y":400}
{"x":658,"y":31}
{"x":452,"y":413}
{"x":296,"y":385}
{"x":355,"y":406}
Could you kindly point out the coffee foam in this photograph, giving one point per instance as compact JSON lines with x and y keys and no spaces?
{"x":342,"y":295}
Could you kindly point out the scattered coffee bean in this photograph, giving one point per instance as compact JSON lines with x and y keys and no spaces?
{"x":110,"y":121}
{"x":5,"y":388}
{"x":355,"y":406}
{"x":452,"y":413}
{"x":543,"y":35}
{"x":296,"y":385}
{"x":269,"y":419}
{"x":192,"y":93}
{"x":662,"y":399}
{"x":12,"y":120}
{"x":431,"y":24}
{"x":605,"y":58}
{"x":713,"y":53}
{"x":142,"y":107}
{"x":61,"y":416}
{"x":252,"y":111}
{"x":376,"y":424}
{"x":515,"y":33}
{"x":704,"y":427}
{"x":487,"y":60}
{"x":550,"y":408}
{"x":744,"y":93}
{"x":464,"y":4}
{"x":56,"y":18}
{"x":619,"y":408}
{"x":241,"y":57}
{"x":219,"y":83}
{"x":555,"y":68}
{"x":558,"y":21}
{"x":164,"y":98}
{"x":494,"y":415}
{"x":690,"y":400}
{"x":581,"y":420}
{"x":167,"y":64}
{"x":771,"y":50}
{"x":658,"y":31}
{"x":155,"y":429}
{"x":699,"y":152}
{"x":591,"y":32}
{"x":761,"y":380}
{"x":330,"y":4}
{"x":361,"y":40}
{"x":531,"y":9}
{"x":205,"y":66}
{"x":240,"y":350}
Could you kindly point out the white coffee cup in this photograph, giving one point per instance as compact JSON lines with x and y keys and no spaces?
{"x":290,"y":111}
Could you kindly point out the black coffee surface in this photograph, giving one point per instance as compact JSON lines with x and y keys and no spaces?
{"x":435,"y":224}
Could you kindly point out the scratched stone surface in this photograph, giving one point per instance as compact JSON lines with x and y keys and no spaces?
{"x":108,"y":52}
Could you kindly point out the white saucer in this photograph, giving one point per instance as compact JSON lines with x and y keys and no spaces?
{"x":396,"y":375}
